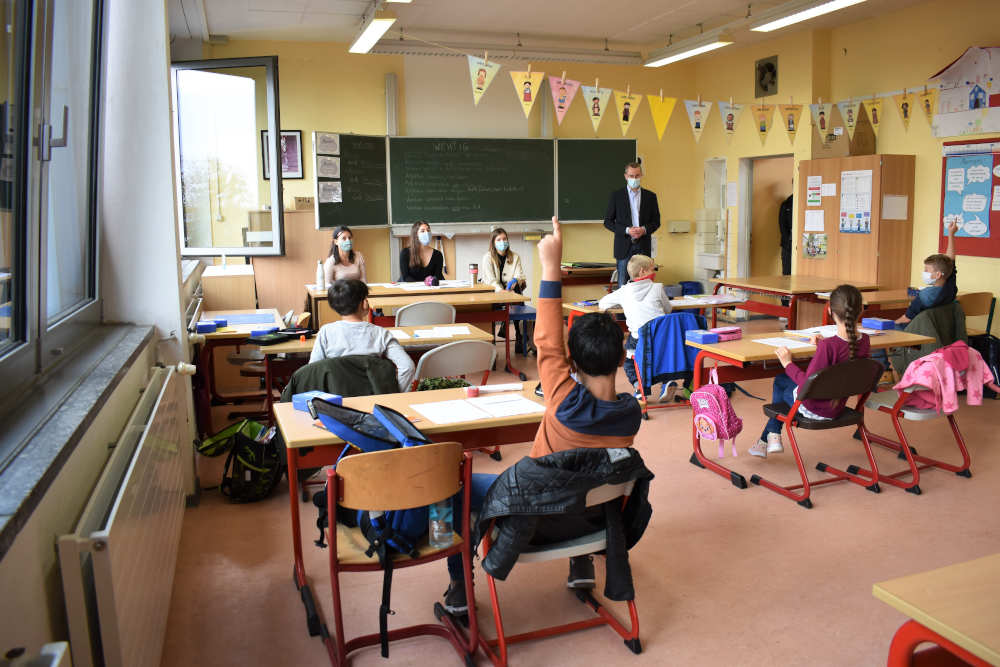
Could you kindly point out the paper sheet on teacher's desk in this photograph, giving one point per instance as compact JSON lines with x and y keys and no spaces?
{"x":790,"y":343}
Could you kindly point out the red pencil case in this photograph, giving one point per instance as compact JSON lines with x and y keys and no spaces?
{"x":728,"y":333}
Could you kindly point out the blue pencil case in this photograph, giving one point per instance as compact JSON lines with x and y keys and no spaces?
{"x":263,"y":332}
{"x":701,"y":336}
{"x":879,"y":323}
{"x":585,"y":303}
{"x":219,"y":322}
{"x":205,"y":326}
{"x":299,"y":401}
{"x":383,"y":428}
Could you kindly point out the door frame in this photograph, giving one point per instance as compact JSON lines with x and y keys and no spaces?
{"x":745,"y":178}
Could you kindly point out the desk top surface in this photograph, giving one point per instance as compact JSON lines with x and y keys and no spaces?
{"x":397,"y":289}
{"x":790,"y":284}
{"x":454,"y":299}
{"x":306,"y":345}
{"x":241,"y":330}
{"x":299,"y":430}
{"x":747,"y":350}
{"x":675,"y":304}
{"x":959,"y":602}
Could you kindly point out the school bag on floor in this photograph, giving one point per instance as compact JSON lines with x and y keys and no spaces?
{"x":713,"y":414}
{"x":255,"y":461}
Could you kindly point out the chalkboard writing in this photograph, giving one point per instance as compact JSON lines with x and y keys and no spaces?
{"x":363,"y":185}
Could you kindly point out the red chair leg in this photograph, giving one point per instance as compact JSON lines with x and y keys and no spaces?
{"x":642,"y":390}
{"x":911,"y":634}
{"x":916,"y":462}
{"x":788,"y":491}
{"x":868,"y":478}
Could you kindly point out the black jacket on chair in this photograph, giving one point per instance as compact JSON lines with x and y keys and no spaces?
{"x":350,"y":375}
{"x":543,"y":501}
{"x":618,"y":218}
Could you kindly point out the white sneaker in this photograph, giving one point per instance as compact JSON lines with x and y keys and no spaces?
{"x":774,"y":445}
{"x":759,"y":449}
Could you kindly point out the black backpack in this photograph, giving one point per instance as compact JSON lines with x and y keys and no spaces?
{"x":989,"y":347}
{"x":255,"y":463}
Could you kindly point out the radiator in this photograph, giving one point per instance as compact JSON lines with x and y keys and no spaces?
{"x":118,"y":565}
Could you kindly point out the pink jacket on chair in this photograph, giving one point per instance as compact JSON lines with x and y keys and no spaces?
{"x":944,"y":373}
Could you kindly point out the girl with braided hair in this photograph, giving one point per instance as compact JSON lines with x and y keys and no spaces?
{"x":847,"y":344}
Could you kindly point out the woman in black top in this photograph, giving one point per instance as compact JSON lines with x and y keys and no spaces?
{"x":420,"y":259}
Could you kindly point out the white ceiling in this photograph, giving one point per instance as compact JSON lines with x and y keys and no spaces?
{"x":632,"y":26}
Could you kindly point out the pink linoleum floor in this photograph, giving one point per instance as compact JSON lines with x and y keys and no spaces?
{"x":723,"y":576}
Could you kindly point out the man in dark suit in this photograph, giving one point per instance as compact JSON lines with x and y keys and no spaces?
{"x":633,"y":215}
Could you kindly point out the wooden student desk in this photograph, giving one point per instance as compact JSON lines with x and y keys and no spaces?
{"x":234,"y":334}
{"x":574,"y":309}
{"x":589,"y":275}
{"x":310,"y":446}
{"x":956,"y":607}
{"x":795,"y":288}
{"x":322,"y":313}
{"x":745,"y":359}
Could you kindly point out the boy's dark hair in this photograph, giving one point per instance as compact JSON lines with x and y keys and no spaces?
{"x":345,"y":296}
{"x":942,"y":263}
{"x":595,"y":344}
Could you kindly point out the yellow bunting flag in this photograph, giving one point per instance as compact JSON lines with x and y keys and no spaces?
{"x":874,"y":109}
{"x":697,"y":112}
{"x":762,"y":114}
{"x":849,"y":112}
{"x":790,"y":115}
{"x":904,"y":103}
{"x":481,"y":73}
{"x":929,"y":103}
{"x":661,"y":108}
{"x":730,"y":113}
{"x":597,"y":103}
{"x":526,"y":85}
{"x":628,"y":104}
{"x":563,"y":92}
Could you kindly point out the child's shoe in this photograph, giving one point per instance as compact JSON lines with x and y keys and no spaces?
{"x":759,"y":449}
{"x":774,"y":445}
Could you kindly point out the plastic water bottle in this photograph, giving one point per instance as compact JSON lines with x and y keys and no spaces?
{"x":320,"y":276}
{"x":439,"y":527}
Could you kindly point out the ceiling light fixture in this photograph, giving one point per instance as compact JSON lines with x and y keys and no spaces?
{"x":400,"y":1}
{"x":688,"y":48}
{"x":374,"y":24}
{"x":795,"y":12}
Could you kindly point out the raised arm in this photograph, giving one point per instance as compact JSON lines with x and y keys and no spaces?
{"x":952,"y":228}
{"x":553,"y":366}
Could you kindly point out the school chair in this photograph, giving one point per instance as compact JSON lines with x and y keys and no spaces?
{"x":978,"y":304}
{"x":858,"y":377}
{"x":523,"y":313}
{"x":496,"y":649}
{"x":661,"y":354}
{"x":397,"y":479}
{"x":425,"y":312}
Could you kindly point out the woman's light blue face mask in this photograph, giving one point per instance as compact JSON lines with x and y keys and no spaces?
{"x":345,"y":244}
{"x":424,"y":237}
{"x":501,"y":245}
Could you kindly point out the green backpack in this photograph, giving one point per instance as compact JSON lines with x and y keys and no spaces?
{"x":255,"y":462}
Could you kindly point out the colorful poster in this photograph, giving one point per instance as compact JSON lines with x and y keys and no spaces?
{"x":874,"y":109}
{"x":790,"y":114}
{"x":814,"y":191}
{"x":730,"y":117}
{"x":526,"y":85}
{"x":628,"y":104}
{"x":822,"y":121}
{"x":597,"y":103}
{"x":929,"y":103}
{"x":481,"y":74}
{"x":762,"y":114}
{"x":904,"y":103}
{"x":967,"y":194}
{"x":697,"y":115}
{"x":563,"y":92}
{"x":856,"y":201}
{"x":849,"y":112}
{"x":814,"y":246}
{"x":661,"y":108}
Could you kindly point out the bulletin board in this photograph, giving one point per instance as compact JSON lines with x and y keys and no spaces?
{"x":970,"y":195}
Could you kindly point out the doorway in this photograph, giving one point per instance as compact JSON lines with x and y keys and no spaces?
{"x":771,"y":185}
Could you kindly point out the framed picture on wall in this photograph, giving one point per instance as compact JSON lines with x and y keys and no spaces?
{"x":291,"y":154}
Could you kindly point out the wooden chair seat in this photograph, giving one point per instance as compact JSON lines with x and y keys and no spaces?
{"x":351,"y":547}
{"x":848,"y":418}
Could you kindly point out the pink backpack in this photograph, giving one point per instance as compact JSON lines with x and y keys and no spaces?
{"x":714,"y":417}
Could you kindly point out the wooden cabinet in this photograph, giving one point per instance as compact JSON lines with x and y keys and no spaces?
{"x":228,"y":288}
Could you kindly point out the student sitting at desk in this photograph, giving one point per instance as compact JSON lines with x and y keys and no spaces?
{"x":642,"y":300}
{"x":353,"y":334}
{"x":940,"y":277}
{"x":344,"y":261}
{"x":501,"y":267}
{"x":846,"y":305}
{"x":420,"y":260}
{"x":583,"y":413}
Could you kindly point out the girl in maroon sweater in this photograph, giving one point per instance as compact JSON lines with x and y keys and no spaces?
{"x":845,"y":304}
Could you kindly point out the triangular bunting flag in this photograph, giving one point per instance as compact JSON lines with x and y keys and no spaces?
{"x":481,"y":73}
{"x":526,"y":85}
{"x":698,"y":115}
{"x":849,"y":112}
{"x":628,"y":104}
{"x":929,"y":103}
{"x":563,"y":92}
{"x":790,"y":114}
{"x":597,"y":103}
{"x":904,"y":103}
{"x":874,"y":109}
{"x":821,"y":119}
{"x":762,"y":114}
{"x":661,"y":108}
{"x":730,"y":117}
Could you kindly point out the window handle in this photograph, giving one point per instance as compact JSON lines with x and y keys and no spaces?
{"x":61,"y":141}
{"x":46,"y":143}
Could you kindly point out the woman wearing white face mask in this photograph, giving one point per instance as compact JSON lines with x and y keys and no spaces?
{"x":420,"y":260}
{"x":501,"y":267}
{"x":344,"y":262}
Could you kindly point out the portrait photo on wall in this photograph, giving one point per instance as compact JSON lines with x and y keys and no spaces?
{"x":290,"y":147}
{"x":766,"y":76}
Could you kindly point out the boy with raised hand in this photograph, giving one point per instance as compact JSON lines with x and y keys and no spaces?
{"x":940,"y":277}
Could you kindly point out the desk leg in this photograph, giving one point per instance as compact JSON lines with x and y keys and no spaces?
{"x":826,"y":314}
{"x":569,"y":319}
{"x":698,"y":458}
{"x":510,"y":367}
{"x":793,"y":309}
{"x":718,"y":286}
{"x":293,"y":497}
{"x":269,"y":387}
{"x":911,"y":634}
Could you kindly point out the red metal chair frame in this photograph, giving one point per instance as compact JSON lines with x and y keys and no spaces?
{"x":338,"y":648}
{"x":911,"y":634}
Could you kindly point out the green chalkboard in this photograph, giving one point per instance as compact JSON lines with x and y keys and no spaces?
{"x":471,"y":180}
{"x":589,"y":170}
{"x":363,"y":184}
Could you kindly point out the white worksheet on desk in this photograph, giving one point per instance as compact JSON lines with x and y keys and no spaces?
{"x":506,"y":405}
{"x":399,"y":334}
{"x":448,"y":332}
{"x":451,"y":412}
{"x":790,"y":343}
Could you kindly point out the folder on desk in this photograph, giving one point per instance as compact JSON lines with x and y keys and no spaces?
{"x":383,"y":428}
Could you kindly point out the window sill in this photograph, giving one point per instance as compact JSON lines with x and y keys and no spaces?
{"x":55,"y":413}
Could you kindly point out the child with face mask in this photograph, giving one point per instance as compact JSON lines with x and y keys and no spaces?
{"x":344,"y":262}
{"x":420,"y":260}
{"x":501,"y":267}
{"x":939,"y":276}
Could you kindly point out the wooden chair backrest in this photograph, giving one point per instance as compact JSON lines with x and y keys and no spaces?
{"x":976,"y":303}
{"x":398,"y":479}
{"x":302,"y":319}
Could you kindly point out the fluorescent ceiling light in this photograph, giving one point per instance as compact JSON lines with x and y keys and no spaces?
{"x":373,"y":26}
{"x":400,"y":1}
{"x":780,"y":17}
{"x":689,"y":48}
